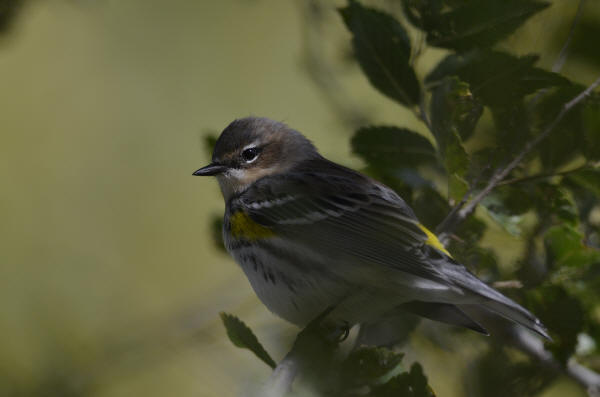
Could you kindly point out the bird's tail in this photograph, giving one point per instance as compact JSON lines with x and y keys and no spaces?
{"x":517,"y":313}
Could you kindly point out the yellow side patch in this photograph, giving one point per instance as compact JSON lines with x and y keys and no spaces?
{"x":242,"y":226}
{"x":433,"y":241}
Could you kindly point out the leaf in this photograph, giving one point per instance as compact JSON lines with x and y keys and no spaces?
{"x":210,"y":140}
{"x":483,"y":262}
{"x":496,"y":78}
{"x":562,"y":313}
{"x":423,"y":14}
{"x":582,"y":49}
{"x":565,"y":247}
{"x":498,"y":374}
{"x":430,"y":207}
{"x":454,"y":114}
{"x":479,"y":23}
{"x":457,"y":187}
{"x":587,"y":179}
{"x":384,"y":147}
{"x":454,"y":109}
{"x":242,"y":336}
{"x":407,"y":384}
{"x":568,"y":138}
{"x":382,"y":48}
{"x":591,"y":130}
{"x":367,"y":365}
{"x":501,"y":215}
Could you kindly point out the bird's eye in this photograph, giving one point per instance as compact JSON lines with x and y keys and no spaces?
{"x":250,"y":154}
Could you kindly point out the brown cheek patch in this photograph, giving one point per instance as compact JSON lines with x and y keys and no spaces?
{"x":270,"y":155}
{"x":255,"y":173}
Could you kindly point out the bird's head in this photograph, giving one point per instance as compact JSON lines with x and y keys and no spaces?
{"x":252,"y":148}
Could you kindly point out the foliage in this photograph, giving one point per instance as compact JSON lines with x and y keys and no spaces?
{"x":367,"y":370}
{"x":242,"y":336}
{"x":549,"y":199}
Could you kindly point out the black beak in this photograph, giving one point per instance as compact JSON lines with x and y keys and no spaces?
{"x":211,"y":169}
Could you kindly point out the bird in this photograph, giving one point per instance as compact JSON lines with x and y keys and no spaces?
{"x":311,"y":234}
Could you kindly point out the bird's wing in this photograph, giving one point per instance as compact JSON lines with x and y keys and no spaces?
{"x":346,"y":215}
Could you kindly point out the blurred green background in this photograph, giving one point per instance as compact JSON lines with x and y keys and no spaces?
{"x":109,"y":281}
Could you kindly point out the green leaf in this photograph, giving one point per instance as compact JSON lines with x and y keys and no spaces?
{"x":423,"y":14}
{"x":496,"y":78}
{"x":382,"y":48}
{"x":498,"y":374}
{"x":385,"y":147}
{"x":479,"y":23}
{"x":483,"y":262}
{"x":242,"y":336}
{"x":568,"y":138}
{"x":587,"y":179}
{"x":591,"y":130}
{"x":454,"y":109}
{"x":565,"y":247}
{"x":564,"y":316}
{"x":430,"y":207}
{"x":457,"y":187}
{"x":367,"y":365}
{"x":407,"y":384}
{"x":454,"y":114}
{"x":501,"y":215}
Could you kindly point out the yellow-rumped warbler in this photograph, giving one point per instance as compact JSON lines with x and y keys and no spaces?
{"x":311,"y":234}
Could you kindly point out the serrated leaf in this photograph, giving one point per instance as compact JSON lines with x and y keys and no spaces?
{"x":382,"y":48}
{"x":384,"y":147}
{"x":479,"y":23}
{"x":496,"y":78}
{"x":242,"y":336}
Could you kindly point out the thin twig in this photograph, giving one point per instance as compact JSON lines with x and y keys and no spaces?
{"x":529,"y":178}
{"x":501,"y":173}
{"x":562,"y":55}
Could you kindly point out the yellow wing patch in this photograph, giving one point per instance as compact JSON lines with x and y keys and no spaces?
{"x":433,"y":241}
{"x":242,"y":226}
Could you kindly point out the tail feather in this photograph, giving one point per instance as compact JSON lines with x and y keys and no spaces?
{"x":494,"y":301}
{"x":517,"y":313}
{"x":445,"y":313}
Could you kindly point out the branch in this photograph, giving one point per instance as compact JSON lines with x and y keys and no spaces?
{"x":534,"y":347}
{"x":562,"y":55}
{"x":528,"y":178}
{"x":456,"y":217}
{"x":280,"y":381}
